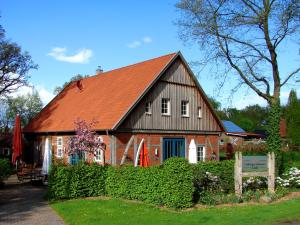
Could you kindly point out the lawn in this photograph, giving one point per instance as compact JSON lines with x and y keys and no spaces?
{"x":112,"y":211}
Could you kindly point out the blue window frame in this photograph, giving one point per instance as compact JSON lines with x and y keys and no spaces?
{"x":173,"y":147}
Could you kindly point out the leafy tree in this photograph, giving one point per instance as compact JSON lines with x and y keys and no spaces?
{"x":27,"y":106}
{"x":251,"y":118}
{"x":217,"y":107}
{"x":293,"y":118}
{"x":14,"y":66}
{"x":244,"y":37}
{"x":74,"y":78}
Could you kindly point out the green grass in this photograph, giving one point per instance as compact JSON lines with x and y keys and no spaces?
{"x":109,"y":212}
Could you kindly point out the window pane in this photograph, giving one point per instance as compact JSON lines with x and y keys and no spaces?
{"x":148,"y":108}
{"x":199,"y":112}
{"x":165,"y":106}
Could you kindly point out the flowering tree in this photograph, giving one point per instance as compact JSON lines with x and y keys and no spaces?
{"x":85,"y":139}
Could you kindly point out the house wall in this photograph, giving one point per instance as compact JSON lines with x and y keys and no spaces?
{"x":38,"y":148}
{"x":177,"y":85}
{"x":116,"y":144}
{"x":155,"y":141}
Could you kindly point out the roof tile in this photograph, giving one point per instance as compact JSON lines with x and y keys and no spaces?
{"x":105,"y":97}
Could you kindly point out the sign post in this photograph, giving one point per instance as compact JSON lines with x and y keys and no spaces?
{"x":254,"y":166}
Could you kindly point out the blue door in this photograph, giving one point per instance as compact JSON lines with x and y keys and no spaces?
{"x":173,"y":147}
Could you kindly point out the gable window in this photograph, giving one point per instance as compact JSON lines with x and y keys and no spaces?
{"x":185,"y":108}
{"x":59,"y":143}
{"x":165,"y":106}
{"x":199,"y":112}
{"x":200,"y":153}
{"x":148,"y":108}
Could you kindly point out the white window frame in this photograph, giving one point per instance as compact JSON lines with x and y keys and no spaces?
{"x":199,"y":157}
{"x":200,"y":112}
{"x":165,"y":104}
{"x":185,"y":108}
{"x":59,"y":149}
{"x":99,"y":152}
{"x":148,"y":108}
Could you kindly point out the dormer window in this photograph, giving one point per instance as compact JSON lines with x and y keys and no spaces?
{"x":148,"y":108}
{"x":165,"y":107}
{"x":185,"y":108}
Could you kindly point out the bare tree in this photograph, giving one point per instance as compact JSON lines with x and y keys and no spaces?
{"x":14,"y":66}
{"x":244,"y":36}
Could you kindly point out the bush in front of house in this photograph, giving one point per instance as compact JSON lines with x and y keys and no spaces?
{"x":212,"y":177}
{"x":80,"y":180}
{"x":177,"y":183}
{"x":170,"y":184}
{"x":59,"y":182}
{"x":5,"y":170}
{"x":87,"y":180}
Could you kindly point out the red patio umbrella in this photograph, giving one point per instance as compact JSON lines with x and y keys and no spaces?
{"x":144,"y":159}
{"x":17,"y":140}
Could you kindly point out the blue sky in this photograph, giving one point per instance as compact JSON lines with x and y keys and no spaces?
{"x":66,"y":38}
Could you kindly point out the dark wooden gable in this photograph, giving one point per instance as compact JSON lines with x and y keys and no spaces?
{"x":176,"y":84}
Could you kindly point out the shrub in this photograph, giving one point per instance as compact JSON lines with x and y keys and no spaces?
{"x":177,"y":187}
{"x":121,"y":182}
{"x":254,"y":183}
{"x":76,"y":181}
{"x":59,"y":182}
{"x":87,"y":180}
{"x":5,"y":169}
{"x":170,"y":184}
{"x":290,"y":159}
{"x":135,"y":183}
{"x":291,"y":178}
{"x":212,"y":177}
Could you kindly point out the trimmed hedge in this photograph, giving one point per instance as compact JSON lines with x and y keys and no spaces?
{"x":175,"y":184}
{"x":80,"y":180}
{"x":170,"y":184}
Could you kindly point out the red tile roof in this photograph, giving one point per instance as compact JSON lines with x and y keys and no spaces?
{"x":106,"y":97}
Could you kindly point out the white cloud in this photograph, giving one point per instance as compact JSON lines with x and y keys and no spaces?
{"x":46,"y":96}
{"x":147,"y":40}
{"x":82,"y":56}
{"x":138,"y":43}
{"x":134,"y":44}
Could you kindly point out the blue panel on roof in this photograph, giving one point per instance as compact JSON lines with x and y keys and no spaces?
{"x":232,"y":127}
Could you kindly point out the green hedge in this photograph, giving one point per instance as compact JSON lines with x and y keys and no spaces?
{"x":175,"y":184}
{"x":213,"y":177}
{"x":5,"y":169}
{"x":170,"y":184}
{"x":80,"y":180}
{"x":290,"y":159}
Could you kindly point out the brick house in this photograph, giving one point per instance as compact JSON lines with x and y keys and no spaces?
{"x":158,"y":101}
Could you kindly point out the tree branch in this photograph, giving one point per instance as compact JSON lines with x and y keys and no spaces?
{"x":225,"y":50}
{"x":290,"y":76}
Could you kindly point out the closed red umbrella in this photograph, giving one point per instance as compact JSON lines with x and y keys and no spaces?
{"x":144,"y":159}
{"x":17,"y":140}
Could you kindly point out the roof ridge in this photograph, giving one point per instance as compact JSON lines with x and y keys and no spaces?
{"x":122,"y":67}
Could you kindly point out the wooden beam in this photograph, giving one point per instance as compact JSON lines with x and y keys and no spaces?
{"x":126,"y":149}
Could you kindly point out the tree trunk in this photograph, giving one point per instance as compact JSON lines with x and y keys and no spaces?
{"x":273,"y":131}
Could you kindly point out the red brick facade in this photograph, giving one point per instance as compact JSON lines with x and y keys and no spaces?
{"x":153,"y":142}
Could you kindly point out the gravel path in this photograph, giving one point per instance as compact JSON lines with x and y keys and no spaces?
{"x":25,"y":204}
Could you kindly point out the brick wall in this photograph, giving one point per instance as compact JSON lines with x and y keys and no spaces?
{"x":152,"y":141}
